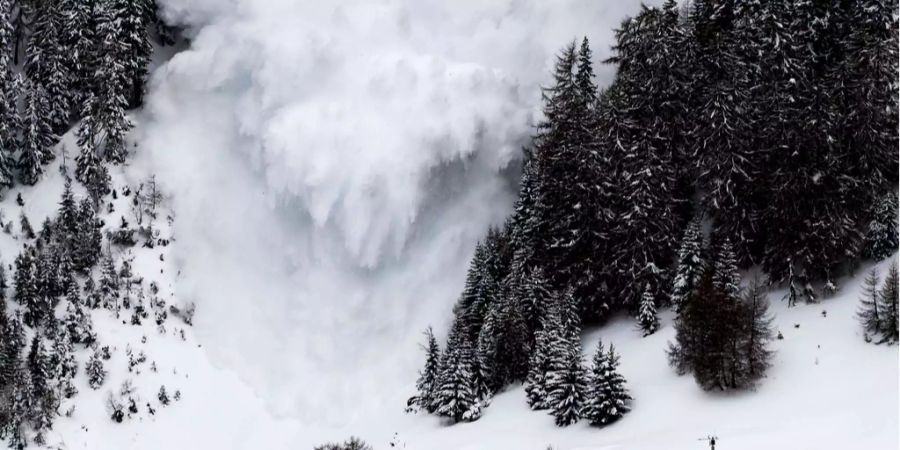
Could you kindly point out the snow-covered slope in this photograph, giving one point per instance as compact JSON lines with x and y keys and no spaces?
{"x":331,"y":166}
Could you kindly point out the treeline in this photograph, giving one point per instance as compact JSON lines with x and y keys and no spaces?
{"x":65,"y":60}
{"x":774,"y":123}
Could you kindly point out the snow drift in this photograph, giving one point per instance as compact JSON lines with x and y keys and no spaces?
{"x":332,"y":165}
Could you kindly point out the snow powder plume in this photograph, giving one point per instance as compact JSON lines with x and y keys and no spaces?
{"x":332,"y":166}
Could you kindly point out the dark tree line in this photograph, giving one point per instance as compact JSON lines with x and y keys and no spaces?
{"x":774,"y":122}
{"x":65,"y":60}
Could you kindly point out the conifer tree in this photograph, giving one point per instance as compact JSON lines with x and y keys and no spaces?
{"x":77,"y":321}
{"x":565,"y":232}
{"x":726,"y":276}
{"x":881,"y":238}
{"x":456,"y":395}
{"x":64,"y":363}
{"x":759,"y":332}
{"x":134,"y":44}
{"x":564,"y":377}
{"x":95,"y":372}
{"x":89,"y":168}
{"x":567,"y":391}
{"x":86,"y":250}
{"x":428,"y":377}
{"x":9,"y":118}
{"x":607,"y":398}
{"x":25,"y":226}
{"x":647,"y":318}
{"x":536,"y":381}
{"x":37,"y":135}
{"x":869,"y":314}
{"x":690,"y":263}
{"x":46,"y":62}
{"x":888,"y":296}
{"x":26,"y":289}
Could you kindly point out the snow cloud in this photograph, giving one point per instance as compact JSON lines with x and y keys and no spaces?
{"x":332,"y":165}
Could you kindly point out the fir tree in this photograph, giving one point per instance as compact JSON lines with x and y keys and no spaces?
{"x":77,"y":321}
{"x":607,"y":398}
{"x":9,"y":117}
{"x":690,"y":263}
{"x":881,"y":238}
{"x":25,"y":225}
{"x":95,"y":372}
{"x":456,"y":395}
{"x":37,"y":135}
{"x":869,"y":314}
{"x":647,"y":319}
{"x":759,"y":332}
{"x":726,"y":276}
{"x":428,"y":377}
{"x":89,"y":168}
{"x":46,"y":61}
{"x":564,"y":378}
{"x":26,"y":289}
{"x":888,"y":296}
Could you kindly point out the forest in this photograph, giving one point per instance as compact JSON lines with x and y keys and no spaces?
{"x":735,"y":135}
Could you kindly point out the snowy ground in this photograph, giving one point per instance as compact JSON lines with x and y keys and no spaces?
{"x":331,"y":166}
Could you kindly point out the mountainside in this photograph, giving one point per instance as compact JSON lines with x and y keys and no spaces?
{"x":274,"y":198}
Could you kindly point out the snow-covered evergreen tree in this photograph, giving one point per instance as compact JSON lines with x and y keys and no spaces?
{"x":881,"y":237}
{"x":37,"y":135}
{"x":647,"y":318}
{"x":428,"y":376}
{"x":726,"y":275}
{"x":607,"y":398}
{"x":888,"y":296}
{"x":869,"y":314}
{"x":690,"y":263}
{"x":95,"y":372}
{"x":456,"y":396}
{"x":758,"y":331}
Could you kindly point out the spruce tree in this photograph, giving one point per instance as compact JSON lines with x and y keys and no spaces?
{"x":25,"y":227}
{"x":89,"y":168}
{"x":77,"y":321}
{"x":726,"y":276}
{"x":607,"y":398}
{"x":881,"y":238}
{"x":564,"y":230}
{"x":758,"y":331}
{"x":888,"y":296}
{"x":134,"y":44}
{"x":564,"y":378}
{"x":95,"y":372}
{"x":456,"y":395}
{"x":690,"y":263}
{"x":647,"y":318}
{"x":37,"y":135}
{"x":26,"y":289}
{"x":428,"y":376}
{"x":46,"y":62}
{"x":868,"y":313}
{"x":9,"y":119}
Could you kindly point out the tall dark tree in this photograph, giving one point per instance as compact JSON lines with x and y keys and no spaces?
{"x":428,"y":377}
{"x":37,"y":135}
{"x":565,"y":231}
{"x":881,"y":237}
{"x":889,"y":296}
{"x":607,"y":398}
{"x":47,"y":61}
{"x":869,"y":314}
{"x":647,"y":319}
{"x":758,"y":329}
{"x":690,"y":263}
{"x":456,"y":395}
